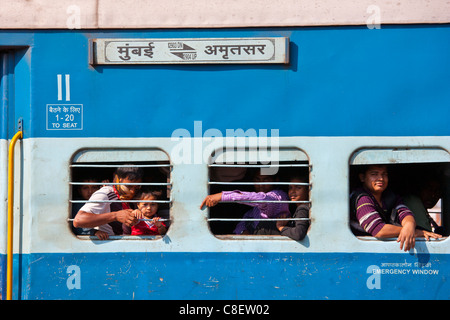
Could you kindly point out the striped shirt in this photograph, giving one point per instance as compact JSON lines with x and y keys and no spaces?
{"x":372,"y":217}
{"x":104,"y":193}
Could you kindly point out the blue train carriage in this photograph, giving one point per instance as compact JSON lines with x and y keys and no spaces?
{"x":91,"y":90}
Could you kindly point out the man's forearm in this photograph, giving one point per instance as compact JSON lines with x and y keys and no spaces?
{"x":85,"y":219}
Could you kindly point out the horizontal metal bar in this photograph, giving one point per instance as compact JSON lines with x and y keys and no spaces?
{"x":260,"y":183}
{"x":128,"y":237}
{"x":265,"y":201}
{"x":169,"y":201}
{"x":370,"y":238}
{"x":118,"y":201}
{"x":259,"y":219}
{"x":120,"y":183}
{"x":248,"y":237}
{"x":71,"y":220}
{"x":119,"y":165}
{"x":260,"y":165}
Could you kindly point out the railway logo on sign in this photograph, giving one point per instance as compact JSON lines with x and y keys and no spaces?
{"x":182,"y":50}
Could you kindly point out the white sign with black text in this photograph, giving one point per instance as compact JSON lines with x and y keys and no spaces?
{"x":273,"y":50}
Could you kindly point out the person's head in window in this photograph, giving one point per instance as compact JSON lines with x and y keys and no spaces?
{"x":87,"y":190}
{"x":148,"y":209}
{"x":298,"y":192}
{"x":263,"y":182}
{"x":89,"y":178}
{"x":430,"y":192}
{"x":131,"y":175}
{"x":375,"y":179}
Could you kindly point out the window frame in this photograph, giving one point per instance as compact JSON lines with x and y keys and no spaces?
{"x":401,"y":156}
{"x":287,"y":155}
{"x":123,"y":157}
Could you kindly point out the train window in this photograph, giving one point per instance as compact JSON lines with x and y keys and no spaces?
{"x":95,"y":169}
{"x":253,"y":192}
{"x":420,"y":177}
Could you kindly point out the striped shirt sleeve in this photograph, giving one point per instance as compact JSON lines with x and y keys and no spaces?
{"x":99,"y":207}
{"x":402,"y":210}
{"x":368,"y":216}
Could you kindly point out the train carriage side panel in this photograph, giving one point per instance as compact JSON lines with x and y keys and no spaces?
{"x":346,"y":88}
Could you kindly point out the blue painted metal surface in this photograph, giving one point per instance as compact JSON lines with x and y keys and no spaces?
{"x":244,"y":276}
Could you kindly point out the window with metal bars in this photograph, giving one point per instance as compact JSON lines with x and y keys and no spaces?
{"x":88,"y":177}
{"x":257,"y":197}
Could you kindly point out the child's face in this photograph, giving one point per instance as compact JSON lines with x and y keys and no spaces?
{"x":86,"y":191}
{"x":296,"y":192}
{"x":375,"y":179}
{"x":149,"y":209}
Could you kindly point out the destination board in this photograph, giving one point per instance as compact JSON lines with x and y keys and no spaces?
{"x":272,"y":50}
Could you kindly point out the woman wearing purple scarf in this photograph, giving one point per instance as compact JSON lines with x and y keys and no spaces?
{"x":263,"y":200}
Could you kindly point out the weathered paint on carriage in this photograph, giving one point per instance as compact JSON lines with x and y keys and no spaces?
{"x":214,"y":275}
